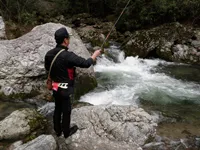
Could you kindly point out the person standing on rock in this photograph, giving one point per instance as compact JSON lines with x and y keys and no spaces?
{"x":62,"y":74}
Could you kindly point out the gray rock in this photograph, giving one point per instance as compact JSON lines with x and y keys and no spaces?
{"x":43,"y":142}
{"x":47,"y":109}
{"x":154,"y":145}
{"x":174,"y":143}
{"x":184,"y":142}
{"x":170,"y":42}
{"x":94,"y":34}
{"x":15,"y":145}
{"x":110,"y":128}
{"x":197,"y":142}
{"x":22,"y":59}
{"x":2,"y":29}
{"x":19,"y":123}
{"x":195,"y":43}
{"x":88,"y":32}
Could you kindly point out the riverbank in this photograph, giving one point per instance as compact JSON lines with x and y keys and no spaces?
{"x":128,"y":81}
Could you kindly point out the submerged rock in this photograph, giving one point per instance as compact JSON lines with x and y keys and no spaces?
{"x":110,"y":128}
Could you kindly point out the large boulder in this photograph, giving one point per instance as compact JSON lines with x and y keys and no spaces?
{"x":2,"y":29}
{"x":172,"y":42}
{"x":22,"y":61}
{"x":20,"y":124}
{"x":110,"y":128}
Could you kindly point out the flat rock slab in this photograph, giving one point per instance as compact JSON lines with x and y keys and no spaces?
{"x":110,"y":128}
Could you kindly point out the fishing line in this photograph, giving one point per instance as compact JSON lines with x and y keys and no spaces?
{"x":114,"y":25}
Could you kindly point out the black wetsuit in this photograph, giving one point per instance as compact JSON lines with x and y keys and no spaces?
{"x":63,"y":71}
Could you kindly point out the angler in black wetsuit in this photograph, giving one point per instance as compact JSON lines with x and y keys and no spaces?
{"x":63,"y":71}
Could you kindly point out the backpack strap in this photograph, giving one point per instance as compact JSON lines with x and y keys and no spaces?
{"x":54,"y":61}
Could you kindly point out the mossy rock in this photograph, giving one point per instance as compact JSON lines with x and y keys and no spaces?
{"x":97,"y":42}
{"x":143,"y":42}
{"x":83,"y":85}
{"x":167,"y":55}
{"x":38,"y":126}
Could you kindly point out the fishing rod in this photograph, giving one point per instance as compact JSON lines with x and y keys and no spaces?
{"x":102,"y":49}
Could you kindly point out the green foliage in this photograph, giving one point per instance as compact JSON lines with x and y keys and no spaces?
{"x":18,"y":10}
{"x":94,"y":7}
{"x":145,"y":13}
{"x":29,"y":18}
{"x":63,"y":6}
{"x":66,"y":7}
{"x":139,"y":14}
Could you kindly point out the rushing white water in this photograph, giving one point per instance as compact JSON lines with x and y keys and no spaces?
{"x":133,"y":79}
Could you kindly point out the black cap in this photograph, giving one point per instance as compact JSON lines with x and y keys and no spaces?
{"x":61,"y":34}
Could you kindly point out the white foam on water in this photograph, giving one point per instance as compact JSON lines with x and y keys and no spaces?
{"x":133,"y":78}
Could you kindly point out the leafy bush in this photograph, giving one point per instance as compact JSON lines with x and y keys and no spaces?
{"x":145,"y":13}
{"x":139,"y":14}
{"x":17,"y":10}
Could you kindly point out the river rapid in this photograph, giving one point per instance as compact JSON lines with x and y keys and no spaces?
{"x":153,"y":84}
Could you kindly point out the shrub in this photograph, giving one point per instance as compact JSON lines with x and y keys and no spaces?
{"x":145,"y":13}
{"x":17,"y":10}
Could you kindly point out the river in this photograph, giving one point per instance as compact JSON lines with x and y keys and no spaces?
{"x":153,"y":84}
